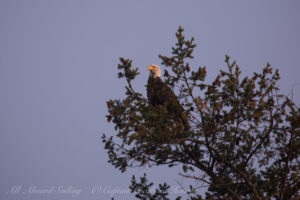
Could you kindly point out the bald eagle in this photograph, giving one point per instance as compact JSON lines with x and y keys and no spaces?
{"x":159,"y":93}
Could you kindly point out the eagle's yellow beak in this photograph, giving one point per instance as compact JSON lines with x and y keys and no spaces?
{"x":150,"y":67}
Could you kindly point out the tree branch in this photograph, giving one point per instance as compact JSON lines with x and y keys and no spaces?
{"x":244,"y":176}
{"x":286,"y":170}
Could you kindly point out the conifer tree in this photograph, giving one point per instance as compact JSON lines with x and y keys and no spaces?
{"x":244,"y":136}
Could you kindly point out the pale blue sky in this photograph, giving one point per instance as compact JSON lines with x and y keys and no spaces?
{"x":58,"y":63}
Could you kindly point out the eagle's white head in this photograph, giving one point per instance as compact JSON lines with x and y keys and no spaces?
{"x":154,"y":70}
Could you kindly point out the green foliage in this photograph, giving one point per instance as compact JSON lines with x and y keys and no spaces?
{"x":244,"y":136}
{"x":143,"y":190}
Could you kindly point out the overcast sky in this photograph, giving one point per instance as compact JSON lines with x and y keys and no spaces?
{"x":58,"y":63}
